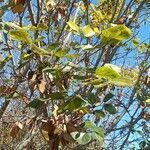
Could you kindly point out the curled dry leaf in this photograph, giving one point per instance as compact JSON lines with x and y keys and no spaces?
{"x":42,"y":86}
{"x":45,"y":135}
{"x":30,"y":123}
{"x":15,"y":129}
{"x":55,"y":113}
{"x":20,"y":125}
{"x":58,"y":130}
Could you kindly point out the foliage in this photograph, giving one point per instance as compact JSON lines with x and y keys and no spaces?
{"x":62,"y":82}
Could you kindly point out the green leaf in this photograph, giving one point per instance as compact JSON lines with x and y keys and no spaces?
{"x":78,"y":77}
{"x":108,"y":97}
{"x":51,"y":70}
{"x":22,"y":65}
{"x":110,"y":108}
{"x":122,"y":82}
{"x":55,"y":96}
{"x":91,"y":125}
{"x":72,"y":105}
{"x":75,"y":104}
{"x":136,"y":42}
{"x":88,"y":124}
{"x":39,"y":50}
{"x":42,"y":27}
{"x":73,"y":26}
{"x":96,"y":136}
{"x":20,"y":35}
{"x":81,"y":138}
{"x":61,"y":53}
{"x":107,"y":72}
{"x":148,"y":101}
{"x":87,"y":47}
{"x":114,"y":67}
{"x":35,"y":104}
{"x":88,"y":31}
{"x":72,"y":56}
{"x":116,"y":33}
{"x":113,"y":74}
{"x":4,"y":61}
{"x":98,"y":130}
{"x":91,"y":98}
{"x":86,"y":138}
{"x":99,"y":114}
{"x":12,"y":25}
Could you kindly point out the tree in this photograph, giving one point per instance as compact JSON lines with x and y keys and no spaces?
{"x":66,"y":81}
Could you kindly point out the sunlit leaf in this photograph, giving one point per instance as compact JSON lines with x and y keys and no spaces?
{"x":39,"y":50}
{"x":42,"y":27}
{"x":88,"y":31}
{"x":107,"y":72}
{"x":96,"y":136}
{"x":113,"y":74}
{"x":99,"y":114}
{"x":122,"y":81}
{"x":118,"y":33}
{"x":82,"y":138}
{"x":148,"y":101}
{"x":73,"y":26}
{"x":20,"y":35}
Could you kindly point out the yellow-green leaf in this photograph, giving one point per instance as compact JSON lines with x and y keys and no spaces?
{"x":20,"y":35}
{"x":42,"y":27}
{"x":117,"y":33}
{"x":73,"y":26}
{"x":113,"y":74}
{"x":88,"y":31}
{"x":107,"y":72}
{"x":39,"y":50}
{"x":148,"y":101}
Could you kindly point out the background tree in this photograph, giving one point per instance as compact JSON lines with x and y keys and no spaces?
{"x":74,"y":74}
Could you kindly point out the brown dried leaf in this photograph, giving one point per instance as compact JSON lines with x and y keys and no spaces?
{"x":61,"y":10}
{"x":48,"y":125}
{"x":58,"y":130}
{"x":71,"y":127}
{"x":25,"y":100}
{"x":45,"y":135}
{"x":67,"y":137}
{"x":14,"y":131}
{"x":16,"y":2}
{"x":18,"y":8}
